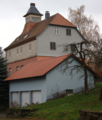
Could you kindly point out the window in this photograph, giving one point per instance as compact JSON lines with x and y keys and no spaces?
{"x":9,"y":53}
{"x":72,"y":48}
{"x":56,"y":31}
{"x":17,"y":68}
{"x":21,"y":50}
{"x":69,"y":91}
{"x":22,"y":66}
{"x":26,"y":36}
{"x":28,"y":19}
{"x":34,"y":19}
{"x":17,"y":51}
{"x":68,"y":32}
{"x":30,"y":47}
{"x":10,"y":71}
{"x":52,"y":45}
{"x":17,"y":39}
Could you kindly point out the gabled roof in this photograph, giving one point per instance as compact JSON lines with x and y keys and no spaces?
{"x":56,"y":19}
{"x":33,"y":10}
{"x":60,"y":20}
{"x":40,"y":68}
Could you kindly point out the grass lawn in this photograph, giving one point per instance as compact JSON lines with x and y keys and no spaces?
{"x":67,"y":108}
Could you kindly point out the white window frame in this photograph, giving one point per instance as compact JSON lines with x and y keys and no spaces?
{"x":9,"y":53}
{"x":56,"y":31}
{"x":10,"y":71}
{"x":29,"y":47}
{"x":18,"y":51}
{"x":17,"y":68}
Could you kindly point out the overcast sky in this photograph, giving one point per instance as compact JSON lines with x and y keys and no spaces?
{"x":12,"y":21}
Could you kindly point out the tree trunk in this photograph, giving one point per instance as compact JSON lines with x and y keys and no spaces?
{"x":86,"y":85}
{"x":100,"y":98}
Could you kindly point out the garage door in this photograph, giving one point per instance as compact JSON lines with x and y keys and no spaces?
{"x":15,"y":97}
{"x":25,"y":98}
{"x":36,"y":96}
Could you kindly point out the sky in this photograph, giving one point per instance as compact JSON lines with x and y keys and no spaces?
{"x":12,"y":21}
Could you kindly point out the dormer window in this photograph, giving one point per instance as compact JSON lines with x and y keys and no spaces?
{"x":26,"y":36}
{"x":17,"y":68}
{"x":17,"y":39}
{"x":56,"y":30}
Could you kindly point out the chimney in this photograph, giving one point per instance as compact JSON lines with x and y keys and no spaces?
{"x":32,"y":4}
{"x":47,"y":15}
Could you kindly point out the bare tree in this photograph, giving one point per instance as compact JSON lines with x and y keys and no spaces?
{"x":87,"y":26}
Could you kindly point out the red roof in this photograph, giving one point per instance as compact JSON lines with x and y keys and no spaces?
{"x":60,"y":20}
{"x":35,"y":29}
{"x":39,"y":68}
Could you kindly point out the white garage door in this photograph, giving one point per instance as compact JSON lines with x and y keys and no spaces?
{"x":25,"y":98}
{"x":15,"y":97}
{"x":36,"y":96}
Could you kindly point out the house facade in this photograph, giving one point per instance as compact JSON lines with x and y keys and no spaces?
{"x":40,"y":38}
{"x":35,"y":57}
{"x":44,"y":79}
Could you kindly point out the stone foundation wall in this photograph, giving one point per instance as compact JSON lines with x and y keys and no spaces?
{"x":90,"y":115}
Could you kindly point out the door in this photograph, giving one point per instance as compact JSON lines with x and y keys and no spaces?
{"x":36,"y":96}
{"x":25,"y":98}
{"x":15,"y":98}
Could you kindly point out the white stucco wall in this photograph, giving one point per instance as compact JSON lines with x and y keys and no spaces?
{"x":30,"y":84}
{"x":48,"y":35}
{"x":58,"y":82}
{"x":26,"y":53}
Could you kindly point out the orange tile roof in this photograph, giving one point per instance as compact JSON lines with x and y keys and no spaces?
{"x":37,"y":28}
{"x":60,"y":20}
{"x":39,"y":68}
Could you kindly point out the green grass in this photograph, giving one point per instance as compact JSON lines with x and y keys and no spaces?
{"x":67,"y":108}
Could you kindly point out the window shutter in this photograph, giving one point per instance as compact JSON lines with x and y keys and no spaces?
{"x":9,"y":53}
{"x":30,"y":47}
{"x":17,"y":50}
{"x":21,"y":49}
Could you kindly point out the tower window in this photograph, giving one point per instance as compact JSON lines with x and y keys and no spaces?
{"x":68,"y":32}
{"x":56,"y":31}
{"x":52,"y":45}
{"x":28,"y":19}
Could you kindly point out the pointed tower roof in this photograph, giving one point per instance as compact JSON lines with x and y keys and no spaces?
{"x":33,"y":10}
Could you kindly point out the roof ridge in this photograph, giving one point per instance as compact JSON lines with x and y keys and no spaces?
{"x":54,"y":57}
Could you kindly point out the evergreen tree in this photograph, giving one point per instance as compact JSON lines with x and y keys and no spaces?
{"x":4,"y":86}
